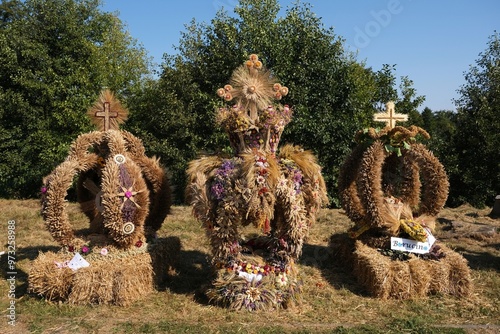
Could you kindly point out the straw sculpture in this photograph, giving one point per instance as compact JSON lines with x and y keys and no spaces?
{"x":126,"y":197}
{"x":393,"y":186}
{"x":125,"y":194}
{"x":277,"y":192}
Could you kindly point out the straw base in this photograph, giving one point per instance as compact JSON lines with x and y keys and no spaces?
{"x":385,"y":278}
{"x":118,"y":278}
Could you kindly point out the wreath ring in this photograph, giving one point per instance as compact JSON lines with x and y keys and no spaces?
{"x":360,"y":183}
{"x":85,"y":160}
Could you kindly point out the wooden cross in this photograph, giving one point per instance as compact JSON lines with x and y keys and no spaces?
{"x":106,"y":114}
{"x":390,"y":117}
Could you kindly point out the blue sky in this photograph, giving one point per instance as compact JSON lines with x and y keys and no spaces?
{"x":433,"y":42}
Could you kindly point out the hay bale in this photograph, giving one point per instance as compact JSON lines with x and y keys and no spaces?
{"x":48,"y":281}
{"x":119,"y":278}
{"x":420,"y":277}
{"x":118,"y":281}
{"x":372,"y":270}
{"x":413,"y":278}
{"x":459,"y":277}
{"x":386,"y":278}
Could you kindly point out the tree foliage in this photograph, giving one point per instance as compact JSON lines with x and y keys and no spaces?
{"x":478,"y":140}
{"x":332,"y":94}
{"x":55,"y":57}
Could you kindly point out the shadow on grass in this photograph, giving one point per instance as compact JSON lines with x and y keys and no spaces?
{"x":480,"y":260}
{"x":331,"y":266}
{"x":12,"y":270}
{"x":193,"y":272}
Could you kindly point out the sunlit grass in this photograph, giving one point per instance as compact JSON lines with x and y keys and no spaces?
{"x":332,"y":301}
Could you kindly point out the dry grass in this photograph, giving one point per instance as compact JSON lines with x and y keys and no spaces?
{"x":332,"y":301}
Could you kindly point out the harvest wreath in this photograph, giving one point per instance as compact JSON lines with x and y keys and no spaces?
{"x":392,"y":187}
{"x":125,"y":195}
{"x":279,"y":193}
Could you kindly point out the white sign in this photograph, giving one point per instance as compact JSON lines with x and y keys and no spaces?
{"x":250,"y":277}
{"x":78,"y":262}
{"x":413,"y":246}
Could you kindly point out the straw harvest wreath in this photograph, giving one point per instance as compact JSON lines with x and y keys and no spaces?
{"x":391,"y":184}
{"x":124,"y":193}
{"x":277,"y":192}
{"x":392,"y":188}
{"x":126,"y":197}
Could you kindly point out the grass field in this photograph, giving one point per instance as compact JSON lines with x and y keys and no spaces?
{"x":332,"y":301}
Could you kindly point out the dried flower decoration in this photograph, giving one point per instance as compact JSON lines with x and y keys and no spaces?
{"x":278,"y":193}
{"x":253,"y":122}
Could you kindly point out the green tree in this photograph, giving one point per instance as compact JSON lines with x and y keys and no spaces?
{"x":478,"y":140}
{"x":409,"y":101}
{"x":55,"y":57}
{"x":332,"y":94}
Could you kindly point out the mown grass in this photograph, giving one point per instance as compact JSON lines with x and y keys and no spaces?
{"x":332,"y":300}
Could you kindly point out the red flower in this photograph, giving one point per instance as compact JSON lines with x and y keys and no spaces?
{"x":263,"y":190}
{"x":71,"y":249}
{"x":138,"y":243}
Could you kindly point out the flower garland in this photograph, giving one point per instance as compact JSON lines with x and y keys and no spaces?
{"x":243,"y":285}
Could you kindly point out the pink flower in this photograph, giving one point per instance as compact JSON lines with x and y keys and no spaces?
{"x":104,"y":251}
{"x":85,"y":249}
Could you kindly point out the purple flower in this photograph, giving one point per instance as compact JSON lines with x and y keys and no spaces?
{"x":297,"y":180}
{"x":297,"y":177}
{"x":226,"y":168}
{"x":217,"y":190}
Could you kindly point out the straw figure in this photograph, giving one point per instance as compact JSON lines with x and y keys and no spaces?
{"x":126,"y":197}
{"x":391,"y":186}
{"x":279,"y":193}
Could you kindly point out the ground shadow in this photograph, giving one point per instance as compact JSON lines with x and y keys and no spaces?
{"x":480,"y":260}
{"x":12,"y":270}
{"x":193,"y":272}
{"x":332,"y":266}
{"x":446,"y":224}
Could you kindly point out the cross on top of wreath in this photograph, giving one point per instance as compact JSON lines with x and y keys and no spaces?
{"x":390,"y":117}
{"x":107,"y":113}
